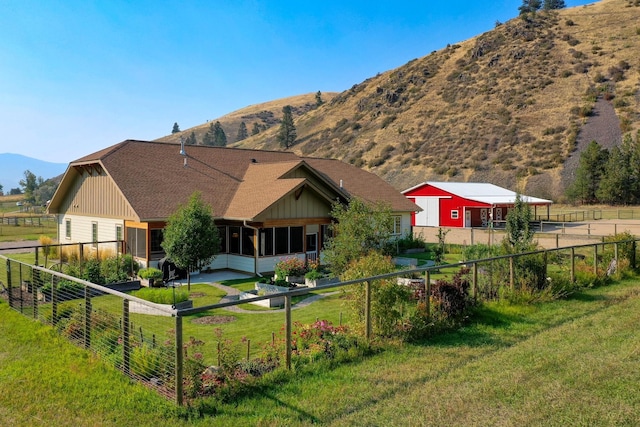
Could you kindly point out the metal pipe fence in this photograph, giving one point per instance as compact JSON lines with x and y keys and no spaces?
{"x":155,"y":344}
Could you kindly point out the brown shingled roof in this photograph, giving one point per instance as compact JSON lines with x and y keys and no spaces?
{"x":237,"y":183}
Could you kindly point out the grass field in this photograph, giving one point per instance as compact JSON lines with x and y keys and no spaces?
{"x":569,"y":362}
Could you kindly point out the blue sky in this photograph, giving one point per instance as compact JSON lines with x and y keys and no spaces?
{"x":78,"y":76}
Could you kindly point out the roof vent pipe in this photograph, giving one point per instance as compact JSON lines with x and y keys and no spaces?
{"x":182,"y":152}
{"x":341,"y":184}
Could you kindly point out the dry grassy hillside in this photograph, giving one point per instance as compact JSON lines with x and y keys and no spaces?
{"x":507,"y":106}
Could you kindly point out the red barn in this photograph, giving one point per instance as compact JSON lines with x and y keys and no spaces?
{"x":465,"y":204}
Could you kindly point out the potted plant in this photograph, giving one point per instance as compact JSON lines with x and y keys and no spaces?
{"x":291,"y":269}
{"x":150,"y":277}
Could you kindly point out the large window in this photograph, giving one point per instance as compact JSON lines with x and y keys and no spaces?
{"x":296,"y":239}
{"x":234,"y":240}
{"x":137,"y":242}
{"x":266,"y":242}
{"x":156,"y":240}
{"x":282,"y":240}
{"x":222,"y":234}
{"x":247,"y":241}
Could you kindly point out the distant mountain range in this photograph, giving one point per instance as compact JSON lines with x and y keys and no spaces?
{"x":13,"y":167}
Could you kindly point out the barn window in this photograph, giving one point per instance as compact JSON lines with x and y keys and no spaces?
{"x":454,"y":214}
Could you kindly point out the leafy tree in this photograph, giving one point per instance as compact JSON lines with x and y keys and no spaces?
{"x":256,"y":129}
{"x":287,"y":133}
{"x":191,"y":139}
{"x":29,"y":185}
{"x":242,"y":132}
{"x":15,"y":191}
{"x":359,"y":229}
{"x":588,"y":174}
{"x":519,"y":233}
{"x":44,"y":192}
{"x":176,"y":128}
{"x":191,"y":238}
{"x":219,"y":137}
{"x":1,"y":192}
{"x":319,"y":100}
{"x":553,"y":4}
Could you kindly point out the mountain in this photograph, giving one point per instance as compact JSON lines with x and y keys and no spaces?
{"x":514,"y":106}
{"x":13,"y":166}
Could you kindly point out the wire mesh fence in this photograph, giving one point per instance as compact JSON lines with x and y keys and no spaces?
{"x":183,"y":352}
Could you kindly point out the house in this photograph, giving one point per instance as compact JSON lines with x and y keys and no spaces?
{"x":466,"y":204}
{"x":266,"y":204}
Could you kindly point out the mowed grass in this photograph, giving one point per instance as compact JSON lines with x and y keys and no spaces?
{"x":569,"y":362}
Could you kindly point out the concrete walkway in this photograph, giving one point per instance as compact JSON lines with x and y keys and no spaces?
{"x":233,"y":294}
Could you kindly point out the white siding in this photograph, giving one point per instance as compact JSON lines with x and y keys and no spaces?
{"x":81,"y":227}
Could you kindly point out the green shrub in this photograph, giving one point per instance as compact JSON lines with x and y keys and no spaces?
{"x":162,"y":295}
{"x":145,"y":361}
{"x":150,"y":273}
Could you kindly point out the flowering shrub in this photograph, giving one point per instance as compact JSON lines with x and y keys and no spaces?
{"x":290,"y":266}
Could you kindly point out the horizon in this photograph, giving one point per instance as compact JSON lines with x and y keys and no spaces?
{"x":79,"y":77}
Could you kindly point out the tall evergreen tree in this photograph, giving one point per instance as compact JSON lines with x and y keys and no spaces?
{"x":319,"y":100}
{"x":256,"y":129}
{"x":176,"y":128}
{"x":588,"y":174}
{"x":208,"y":138}
{"x":530,"y":6}
{"x":219,"y":137}
{"x":191,"y":139}
{"x":615,"y":185}
{"x":287,"y":133}
{"x":242,"y":132}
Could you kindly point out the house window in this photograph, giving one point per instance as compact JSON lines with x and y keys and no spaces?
{"x":397,"y":225}
{"x":137,"y":242}
{"x":67,"y":229}
{"x":289,"y":240}
{"x":94,"y":234}
{"x":118,"y":232}
{"x":234,"y":240}
{"x":156,"y":240}
{"x":247,"y":241}
{"x":296,"y":242}
{"x":454,"y":214}
{"x":282,"y":240}
{"x":266,"y":242}
{"x":222,"y":234}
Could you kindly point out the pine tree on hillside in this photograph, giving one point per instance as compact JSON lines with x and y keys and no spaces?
{"x":256,"y":129}
{"x":219,"y":137}
{"x":616,"y":186}
{"x":208,"y":139}
{"x":176,"y":128}
{"x":191,"y":139}
{"x":530,"y":6}
{"x":287,"y":133}
{"x":588,"y":175}
{"x":319,"y":100}
{"x":242,"y":132}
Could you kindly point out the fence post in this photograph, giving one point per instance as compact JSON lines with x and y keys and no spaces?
{"x":427,"y":292}
{"x":595,"y":259}
{"x":9,"y":290}
{"x":475,"y":281}
{"x":179,"y":361}
{"x":557,"y":241}
{"x":87,"y":317}
{"x":511,"y":278}
{"x":633,"y":254}
{"x":125,"y":337}
{"x":287,"y":326}
{"x":367,"y":311}
{"x":546,"y":263}
{"x":36,"y":255}
{"x":615,"y":252}
{"x":573,"y":264}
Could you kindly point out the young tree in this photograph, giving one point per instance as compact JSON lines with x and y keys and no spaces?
{"x":242,"y":132}
{"x":518,"y":226}
{"x":1,"y":190}
{"x":256,"y":128}
{"x":176,"y":128}
{"x":191,"y":139}
{"x":319,"y":100}
{"x":219,"y":137}
{"x":553,"y":4}
{"x":208,"y":138}
{"x":358,"y":229}
{"x":588,"y":174}
{"x":287,"y":133}
{"x":191,"y":237}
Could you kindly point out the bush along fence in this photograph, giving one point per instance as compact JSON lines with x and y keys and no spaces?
{"x":162,"y":347}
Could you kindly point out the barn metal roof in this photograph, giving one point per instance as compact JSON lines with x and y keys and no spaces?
{"x":482,"y":192}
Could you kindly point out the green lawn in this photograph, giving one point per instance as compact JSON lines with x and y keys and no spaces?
{"x":569,"y":362}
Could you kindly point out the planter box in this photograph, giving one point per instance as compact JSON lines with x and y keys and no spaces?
{"x":136,"y":307}
{"x":295,"y":279}
{"x":312,"y":283}
{"x":410,"y":282}
{"x":269,"y":303}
